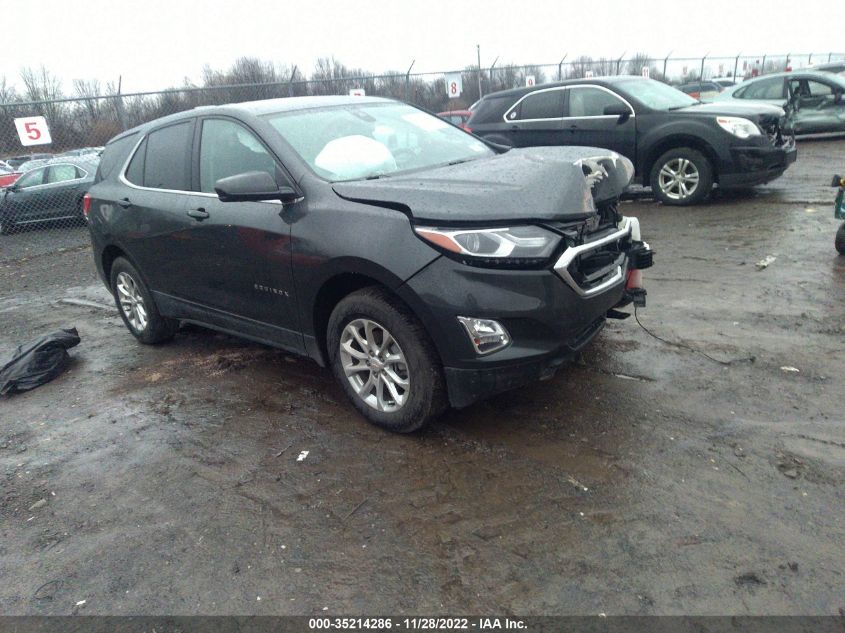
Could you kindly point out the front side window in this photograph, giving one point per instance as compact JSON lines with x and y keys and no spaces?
{"x":61,"y":173}
{"x":373,"y":139}
{"x":226,"y":149}
{"x":543,"y":104}
{"x":165,"y":163}
{"x":764,"y":89}
{"x":31,"y":178}
{"x":590,"y":101}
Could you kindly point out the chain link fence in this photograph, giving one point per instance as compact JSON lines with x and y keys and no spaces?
{"x":43,"y":185}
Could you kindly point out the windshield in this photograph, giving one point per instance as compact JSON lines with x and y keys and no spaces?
{"x":656,"y":95}
{"x":368,"y":140}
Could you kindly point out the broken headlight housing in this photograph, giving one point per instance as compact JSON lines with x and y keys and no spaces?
{"x":738,"y":126}
{"x":518,"y":246}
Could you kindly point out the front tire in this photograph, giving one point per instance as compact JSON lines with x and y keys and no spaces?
{"x":385,"y":362}
{"x":136,"y":306}
{"x":840,"y":239}
{"x":681,"y":177}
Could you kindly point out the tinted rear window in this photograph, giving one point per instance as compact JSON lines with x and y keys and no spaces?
{"x":166,"y":164}
{"x":491,"y":109}
{"x":114,"y":154}
{"x":544,"y":104}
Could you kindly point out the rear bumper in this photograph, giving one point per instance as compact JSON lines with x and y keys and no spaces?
{"x":757,"y":165}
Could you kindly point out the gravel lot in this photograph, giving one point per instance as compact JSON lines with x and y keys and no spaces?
{"x":644,"y":479}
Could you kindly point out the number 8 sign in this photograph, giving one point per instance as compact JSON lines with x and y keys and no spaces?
{"x":454,"y":87}
{"x":33,"y":130}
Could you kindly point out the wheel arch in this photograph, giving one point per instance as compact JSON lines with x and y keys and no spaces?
{"x":343,"y":283}
{"x":677,"y":141}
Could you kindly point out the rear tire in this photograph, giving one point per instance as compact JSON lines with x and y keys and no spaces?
{"x":681,"y":177}
{"x":840,"y":239}
{"x":136,"y":306}
{"x":6,"y":226}
{"x":385,"y":362}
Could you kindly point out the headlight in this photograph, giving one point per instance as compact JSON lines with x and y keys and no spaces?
{"x":743,"y":128}
{"x":515,"y":246}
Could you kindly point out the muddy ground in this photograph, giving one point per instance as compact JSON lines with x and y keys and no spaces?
{"x":644,"y":479}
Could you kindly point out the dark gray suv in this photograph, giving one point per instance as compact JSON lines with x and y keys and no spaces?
{"x":424,"y":266}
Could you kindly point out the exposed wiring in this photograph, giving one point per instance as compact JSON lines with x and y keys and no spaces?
{"x":748,"y":359}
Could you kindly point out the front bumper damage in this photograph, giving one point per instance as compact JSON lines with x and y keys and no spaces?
{"x":550,"y":314}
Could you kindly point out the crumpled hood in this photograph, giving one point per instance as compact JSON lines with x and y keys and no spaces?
{"x":538,"y":183}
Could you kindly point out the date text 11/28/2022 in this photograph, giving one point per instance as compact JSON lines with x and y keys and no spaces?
{"x":417,"y":624}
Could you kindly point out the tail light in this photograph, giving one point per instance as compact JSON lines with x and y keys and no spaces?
{"x":86,"y":204}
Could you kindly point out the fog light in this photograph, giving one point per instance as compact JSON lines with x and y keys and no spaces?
{"x":486,"y":335}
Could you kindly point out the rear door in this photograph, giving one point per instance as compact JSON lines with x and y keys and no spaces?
{"x":244,"y":246}
{"x":588,"y":125}
{"x":63,"y":190}
{"x":536,"y":119}
{"x":149,"y":216}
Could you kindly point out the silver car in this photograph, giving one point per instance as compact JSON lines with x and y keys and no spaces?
{"x":814,"y":100}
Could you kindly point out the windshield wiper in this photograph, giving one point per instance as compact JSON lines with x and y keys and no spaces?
{"x":459,"y":161}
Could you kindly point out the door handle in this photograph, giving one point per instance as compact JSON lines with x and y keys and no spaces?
{"x":198,"y":214}
{"x":124,"y":203}
{"x":573,"y":127}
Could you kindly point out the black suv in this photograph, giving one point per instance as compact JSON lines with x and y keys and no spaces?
{"x":424,"y":266}
{"x":679,"y":146}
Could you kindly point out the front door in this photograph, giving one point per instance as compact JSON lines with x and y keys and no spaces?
{"x":587,"y":124}
{"x":819,"y":106}
{"x":244,"y":247}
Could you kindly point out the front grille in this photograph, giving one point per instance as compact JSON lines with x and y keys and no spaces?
{"x":597,"y":262}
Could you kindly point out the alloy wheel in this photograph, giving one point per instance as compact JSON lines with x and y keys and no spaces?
{"x":374,"y":365}
{"x":678,"y":178}
{"x":131,"y":302}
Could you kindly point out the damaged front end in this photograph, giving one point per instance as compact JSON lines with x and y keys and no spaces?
{"x":610,"y":247}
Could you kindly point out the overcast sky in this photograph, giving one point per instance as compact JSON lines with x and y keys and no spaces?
{"x":156,"y":43}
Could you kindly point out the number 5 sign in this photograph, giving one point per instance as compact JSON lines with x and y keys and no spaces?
{"x":33,"y":130}
{"x":454,"y":87}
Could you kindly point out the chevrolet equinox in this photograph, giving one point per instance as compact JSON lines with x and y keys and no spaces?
{"x":425,"y":266}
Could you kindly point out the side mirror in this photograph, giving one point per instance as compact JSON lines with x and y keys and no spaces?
{"x":253,"y":186}
{"x":620,"y":110}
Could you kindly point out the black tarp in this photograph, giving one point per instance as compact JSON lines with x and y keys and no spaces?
{"x":38,"y":361}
